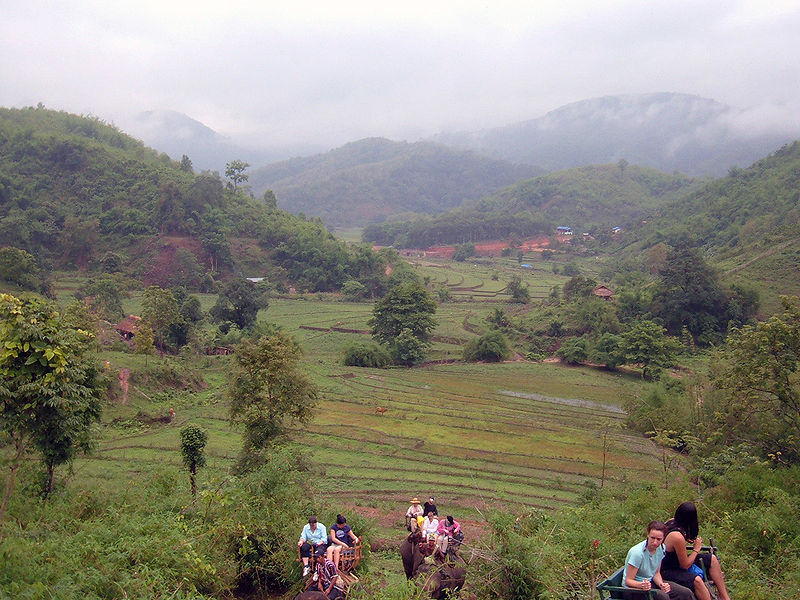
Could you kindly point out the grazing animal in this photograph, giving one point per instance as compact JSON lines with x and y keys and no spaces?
{"x":380,"y":410}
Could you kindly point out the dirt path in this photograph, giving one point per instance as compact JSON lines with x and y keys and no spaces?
{"x":124,"y":377}
{"x":764,"y":254}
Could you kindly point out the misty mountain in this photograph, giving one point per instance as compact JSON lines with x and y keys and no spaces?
{"x":177,"y":134}
{"x":666,"y":131}
{"x":374,"y":178}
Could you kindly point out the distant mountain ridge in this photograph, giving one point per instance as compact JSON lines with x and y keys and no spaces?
{"x":666,"y":131}
{"x":375,"y":178}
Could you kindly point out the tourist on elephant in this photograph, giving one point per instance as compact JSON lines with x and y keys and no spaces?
{"x":448,"y":528}
{"x":414,"y":513}
{"x":430,"y":506}
{"x":341,"y":537}
{"x":430,"y":526}
{"x":328,"y":580}
{"x":643,"y":569}
{"x":314,"y":538}
{"x":679,"y":566}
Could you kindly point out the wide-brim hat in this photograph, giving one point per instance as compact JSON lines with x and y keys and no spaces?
{"x":415,"y":501}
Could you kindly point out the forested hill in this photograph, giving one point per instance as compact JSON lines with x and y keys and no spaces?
{"x":374,"y":178}
{"x":666,"y":131}
{"x":761,"y":202}
{"x":75,"y":191}
{"x":593,"y":199}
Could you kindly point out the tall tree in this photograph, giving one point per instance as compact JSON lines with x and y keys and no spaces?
{"x":235,"y":171}
{"x":646,"y":343}
{"x":193,"y":443}
{"x":268,"y":393}
{"x":239,"y":303}
{"x":405,"y":306}
{"x":159,"y":313}
{"x":49,"y":391}
{"x":759,"y":385}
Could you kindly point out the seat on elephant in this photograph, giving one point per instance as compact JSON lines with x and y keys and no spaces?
{"x":350,"y":557}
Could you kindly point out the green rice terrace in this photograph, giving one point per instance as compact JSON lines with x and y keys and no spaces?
{"x":517,"y":434}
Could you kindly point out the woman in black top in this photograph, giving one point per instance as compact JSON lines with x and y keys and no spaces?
{"x":430,"y":506}
{"x":676,"y":564}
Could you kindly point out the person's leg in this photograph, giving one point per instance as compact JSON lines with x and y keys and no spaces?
{"x":715,"y":573}
{"x":679,"y":592}
{"x":700,"y":589}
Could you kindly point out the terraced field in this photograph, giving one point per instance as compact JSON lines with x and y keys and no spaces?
{"x":515,"y":434}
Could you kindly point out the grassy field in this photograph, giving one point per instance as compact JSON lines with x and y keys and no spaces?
{"x":516,"y":434}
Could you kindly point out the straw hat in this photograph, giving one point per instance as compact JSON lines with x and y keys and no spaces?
{"x":415,"y":500}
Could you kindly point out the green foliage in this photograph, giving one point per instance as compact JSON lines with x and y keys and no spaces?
{"x":758,"y":398}
{"x":366,"y":355}
{"x":573,"y":351}
{"x":646,"y":343}
{"x":490,"y":347}
{"x":104,"y":296}
{"x":517,"y":290}
{"x":407,"y":349}
{"x":160,"y":313}
{"x":268,"y":393}
{"x":464,"y":251}
{"x":50,"y":391}
{"x":239,"y":303}
{"x":578,"y":287}
{"x":193,"y":443}
{"x":18,"y":267}
{"x":235,"y":171}
{"x":407,"y":306}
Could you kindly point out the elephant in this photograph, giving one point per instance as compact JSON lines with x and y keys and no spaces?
{"x":439,"y":579}
{"x":411,"y":554}
{"x":442,"y":581}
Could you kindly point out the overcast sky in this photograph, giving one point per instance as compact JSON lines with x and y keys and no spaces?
{"x":338,"y":70}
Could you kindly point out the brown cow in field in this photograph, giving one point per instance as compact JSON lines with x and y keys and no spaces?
{"x":380,"y":410}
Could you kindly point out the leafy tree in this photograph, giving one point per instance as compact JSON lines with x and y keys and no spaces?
{"x":143,"y":341}
{"x":518,"y":291}
{"x":354,"y":290}
{"x":268,"y":393}
{"x":104,"y":297}
{"x":492,"y":346}
{"x":239,"y":302}
{"x":406,"y":306}
{"x":759,"y":387}
{"x":407,"y":349}
{"x":18,"y":267}
{"x":573,"y":351}
{"x":689,"y":294}
{"x":49,"y":391}
{"x":646,"y":343}
{"x":110,"y":262}
{"x":186,"y":164}
{"x":464,"y":251}
{"x":578,"y":287}
{"x":193,"y":443}
{"x":608,"y":350}
{"x":235,"y":171}
{"x":159,"y":313}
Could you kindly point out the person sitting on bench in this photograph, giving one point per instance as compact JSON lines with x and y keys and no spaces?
{"x":643,"y":569}
{"x":679,"y":566}
{"x":314,"y":536}
{"x":341,"y":537}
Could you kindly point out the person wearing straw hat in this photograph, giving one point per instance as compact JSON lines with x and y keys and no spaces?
{"x":414,"y":513}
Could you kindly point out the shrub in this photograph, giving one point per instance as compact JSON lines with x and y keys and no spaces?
{"x":366,"y":355}
{"x":491,"y":347}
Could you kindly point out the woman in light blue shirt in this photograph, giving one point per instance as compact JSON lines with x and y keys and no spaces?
{"x":314,"y":536}
{"x":643,"y":569}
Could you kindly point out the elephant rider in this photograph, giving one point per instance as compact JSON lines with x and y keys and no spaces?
{"x":430,"y":526}
{"x":415,"y":512}
{"x":314,"y":537}
{"x":328,"y":579}
{"x":430,"y":506}
{"x":341,"y":537}
{"x":448,"y":528}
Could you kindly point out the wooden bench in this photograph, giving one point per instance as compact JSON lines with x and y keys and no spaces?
{"x":348,"y":559}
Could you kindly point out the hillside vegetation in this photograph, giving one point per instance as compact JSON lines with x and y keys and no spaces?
{"x":73,"y":189}
{"x":374,"y":178}
{"x":593,"y":199}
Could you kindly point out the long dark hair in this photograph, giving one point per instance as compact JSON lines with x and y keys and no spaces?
{"x":686,"y":520}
